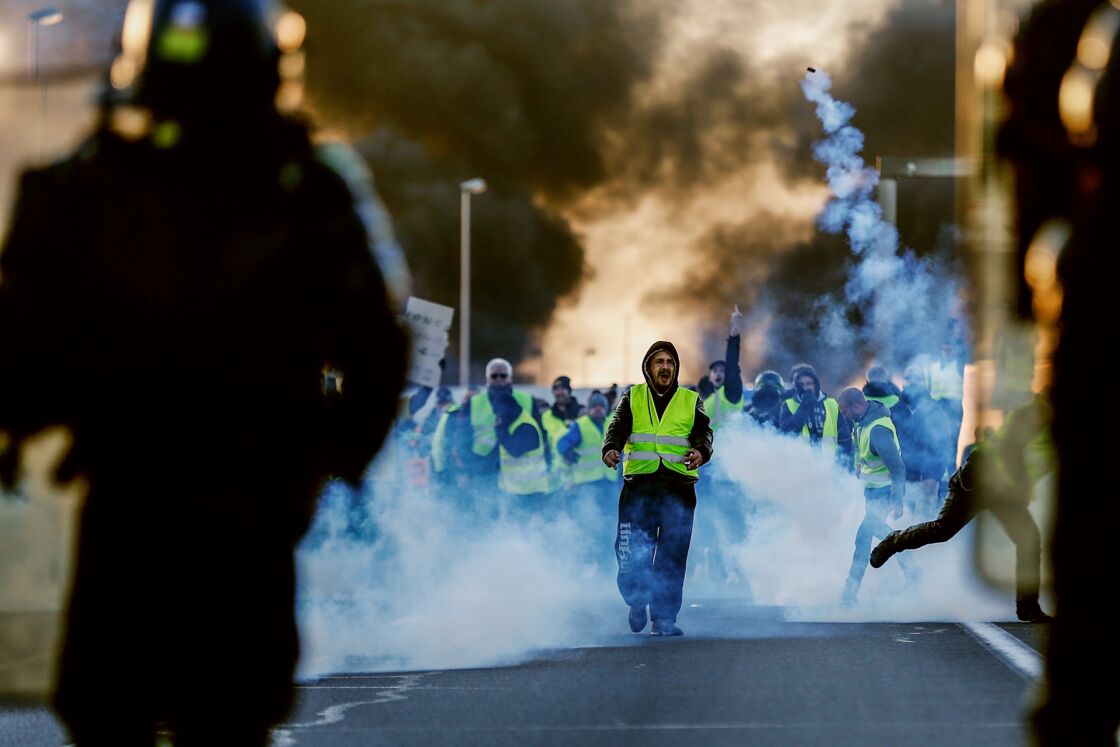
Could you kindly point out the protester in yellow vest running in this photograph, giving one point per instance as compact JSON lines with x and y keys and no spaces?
{"x":661,"y":435}
{"x":814,"y":415}
{"x":879,"y":467}
{"x":998,"y":476}
{"x":726,"y":400}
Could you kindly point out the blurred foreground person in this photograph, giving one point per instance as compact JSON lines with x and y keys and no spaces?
{"x":173,"y":293}
{"x":1065,"y":151}
{"x":662,"y":436}
{"x":998,"y":476}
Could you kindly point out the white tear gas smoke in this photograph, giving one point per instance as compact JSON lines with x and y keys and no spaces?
{"x":402,"y":578}
{"x":905,"y":301}
{"x":796,"y":511}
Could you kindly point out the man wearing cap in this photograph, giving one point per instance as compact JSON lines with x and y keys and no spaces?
{"x":557,"y":419}
{"x":726,"y":400}
{"x":661,"y":435}
{"x":581,"y":448}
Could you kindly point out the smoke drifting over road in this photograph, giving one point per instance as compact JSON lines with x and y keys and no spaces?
{"x":400,"y":580}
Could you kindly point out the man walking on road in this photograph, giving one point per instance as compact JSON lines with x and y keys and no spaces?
{"x":661,"y":435}
{"x":880,"y":469}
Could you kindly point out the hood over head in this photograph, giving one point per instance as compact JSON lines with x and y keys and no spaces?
{"x":802,"y":369}
{"x":654,"y":348}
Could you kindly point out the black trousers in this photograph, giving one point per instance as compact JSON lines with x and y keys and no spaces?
{"x":651,"y":546}
{"x":960,"y":507}
{"x":182,"y":613}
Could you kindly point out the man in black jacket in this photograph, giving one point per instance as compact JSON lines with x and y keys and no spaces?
{"x":999,"y":476}
{"x":662,"y":436}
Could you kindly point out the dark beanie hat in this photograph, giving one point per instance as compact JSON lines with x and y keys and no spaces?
{"x":597,"y":398}
{"x":563,"y":381}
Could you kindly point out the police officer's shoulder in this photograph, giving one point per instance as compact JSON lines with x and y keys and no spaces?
{"x":342,"y":166}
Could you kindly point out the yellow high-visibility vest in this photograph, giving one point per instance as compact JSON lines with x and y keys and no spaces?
{"x":719,"y":409}
{"x":831,"y":419}
{"x":521,"y":475}
{"x":655,"y":441}
{"x":556,"y":428}
{"x":590,"y":467}
{"x":870,"y":468}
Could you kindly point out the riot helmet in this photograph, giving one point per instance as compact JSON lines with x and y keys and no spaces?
{"x":194,"y":59}
{"x":769,"y":379}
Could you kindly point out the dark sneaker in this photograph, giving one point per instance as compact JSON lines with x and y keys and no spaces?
{"x":1033,"y":615}
{"x":664,"y":627}
{"x":638,"y":618}
{"x":884,"y":550}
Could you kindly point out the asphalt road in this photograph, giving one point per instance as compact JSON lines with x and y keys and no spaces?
{"x":779,"y":683}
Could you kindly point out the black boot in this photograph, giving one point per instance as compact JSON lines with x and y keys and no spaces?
{"x":1028,"y":610}
{"x":883,"y":551}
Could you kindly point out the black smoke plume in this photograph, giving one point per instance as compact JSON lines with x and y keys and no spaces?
{"x":523,"y":94}
{"x":901,"y":82}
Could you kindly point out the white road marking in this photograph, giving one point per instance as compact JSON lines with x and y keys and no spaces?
{"x":1016,"y":654}
{"x":334,"y":714}
{"x":673,"y":727}
{"x":395,"y":687}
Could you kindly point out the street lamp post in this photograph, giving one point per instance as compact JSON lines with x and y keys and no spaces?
{"x":466,"y":189}
{"x":49,"y":16}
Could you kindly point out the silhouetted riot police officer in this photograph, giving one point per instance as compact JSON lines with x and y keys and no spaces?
{"x":176,"y":292}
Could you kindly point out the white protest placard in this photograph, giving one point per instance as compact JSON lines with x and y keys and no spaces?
{"x":428,"y":324}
